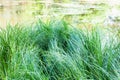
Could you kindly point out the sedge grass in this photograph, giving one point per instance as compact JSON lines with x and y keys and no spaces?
{"x":57,"y":51}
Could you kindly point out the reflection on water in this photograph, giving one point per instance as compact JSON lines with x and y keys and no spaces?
{"x":74,"y":12}
{"x":14,"y":14}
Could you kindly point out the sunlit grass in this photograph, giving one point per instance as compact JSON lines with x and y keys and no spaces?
{"x":57,"y":51}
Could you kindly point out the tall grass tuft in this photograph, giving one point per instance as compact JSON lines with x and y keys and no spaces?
{"x":57,"y":51}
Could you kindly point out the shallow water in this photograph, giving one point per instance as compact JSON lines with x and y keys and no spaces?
{"x":77,"y":13}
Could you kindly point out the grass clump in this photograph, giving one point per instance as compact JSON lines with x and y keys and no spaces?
{"x":57,"y":51}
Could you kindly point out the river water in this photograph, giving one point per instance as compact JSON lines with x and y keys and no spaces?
{"x":76,"y":12}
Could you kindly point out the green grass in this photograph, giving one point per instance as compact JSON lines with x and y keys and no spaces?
{"x":58,"y":51}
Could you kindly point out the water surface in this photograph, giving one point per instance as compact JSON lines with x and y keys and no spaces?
{"x":76,"y":12}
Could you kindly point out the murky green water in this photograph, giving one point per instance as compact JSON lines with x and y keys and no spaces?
{"x":75,"y":12}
